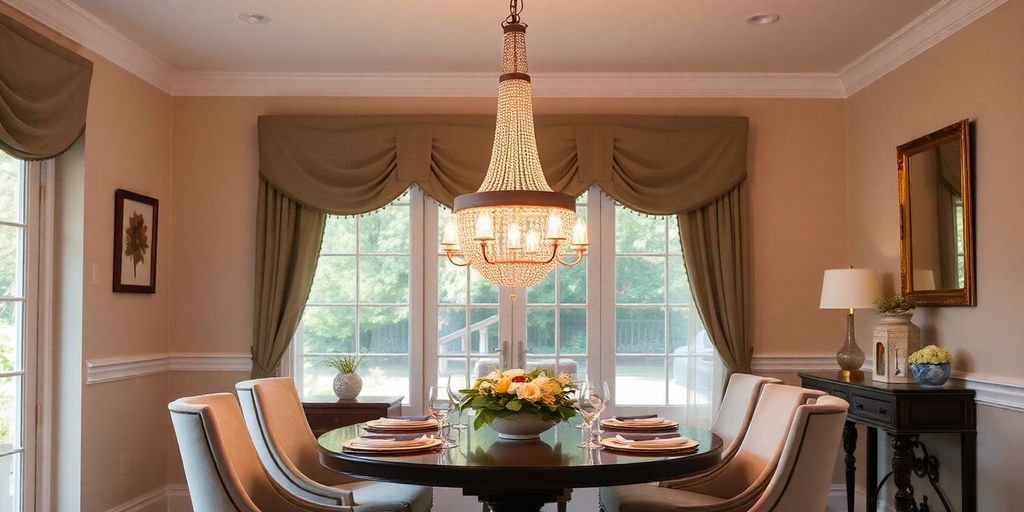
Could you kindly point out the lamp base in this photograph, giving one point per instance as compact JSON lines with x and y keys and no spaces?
{"x":850,"y":357}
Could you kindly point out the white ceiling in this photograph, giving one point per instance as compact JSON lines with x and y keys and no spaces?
{"x":446,"y":36}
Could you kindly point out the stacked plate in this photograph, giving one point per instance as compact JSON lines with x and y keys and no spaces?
{"x":652,"y":444}
{"x":648,"y":423}
{"x":390,"y":444}
{"x":401,"y":424}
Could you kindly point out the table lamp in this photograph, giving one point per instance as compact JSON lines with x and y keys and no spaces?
{"x":849,"y":288}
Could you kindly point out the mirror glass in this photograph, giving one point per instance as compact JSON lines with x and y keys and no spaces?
{"x":936,"y":249}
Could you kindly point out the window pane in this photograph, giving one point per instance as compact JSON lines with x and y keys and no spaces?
{"x":691,"y":383}
{"x":317,"y":378}
{"x":482,"y":291}
{"x":10,"y":413}
{"x":329,"y":329}
{"x":637,"y":233}
{"x":575,"y":367}
{"x":482,"y":366}
{"x":451,"y":330}
{"x":540,"y":330}
{"x":456,"y":367}
{"x":572,"y":330}
{"x":11,"y":264}
{"x":12,"y":188}
{"x":544,"y":291}
{"x":678,"y":285}
{"x":384,"y":279}
{"x":335,"y":281}
{"x":640,"y":330}
{"x":572,"y":284}
{"x":639,"y":280}
{"x":679,"y":329}
{"x":451,"y":283}
{"x":385,"y":231}
{"x":674,"y":245}
{"x":10,"y":472}
{"x":385,"y":376}
{"x":384,"y":330}
{"x":640,"y":381}
{"x":484,"y":330}
{"x":339,"y":235}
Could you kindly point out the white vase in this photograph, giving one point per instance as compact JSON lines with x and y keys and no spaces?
{"x":347,"y":385}
{"x":520,"y":426}
{"x":895,"y":338}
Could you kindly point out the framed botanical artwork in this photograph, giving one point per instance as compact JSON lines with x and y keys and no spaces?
{"x":135,"y":223}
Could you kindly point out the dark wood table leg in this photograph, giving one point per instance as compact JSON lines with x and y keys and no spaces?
{"x":871,"y":480}
{"x":508,"y":500}
{"x":902,"y":463}
{"x":850,"y":446}
{"x":969,"y":471}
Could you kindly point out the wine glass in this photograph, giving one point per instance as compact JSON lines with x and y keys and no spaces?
{"x":456,"y":397}
{"x":591,"y":400}
{"x":438,"y":406}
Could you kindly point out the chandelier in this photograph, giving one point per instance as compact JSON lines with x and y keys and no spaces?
{"x":514,"y":230}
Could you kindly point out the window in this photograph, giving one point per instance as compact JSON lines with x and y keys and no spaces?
{"x":623,"y":315}
{"x":18,"y":268}
{"x":361,"y":302}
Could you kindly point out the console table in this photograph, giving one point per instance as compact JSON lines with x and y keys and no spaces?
{"x":903,"y":411}
{"x":328,"y":413}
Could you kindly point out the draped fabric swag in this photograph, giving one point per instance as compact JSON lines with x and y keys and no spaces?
{"x":692,"y":167}
{"x":44,"y":92}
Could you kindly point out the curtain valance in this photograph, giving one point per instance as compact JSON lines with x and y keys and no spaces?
{"x":44,"y":92}
{"x":350,"y":165}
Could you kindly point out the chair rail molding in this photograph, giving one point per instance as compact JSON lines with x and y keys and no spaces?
{"x":130,"y":367}
{"x":993,"y":391}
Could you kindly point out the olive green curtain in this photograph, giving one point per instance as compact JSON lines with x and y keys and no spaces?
{"x":44,"y":92}
{"x":716,"y":251}
{"x":660,"y":165}
{"x":288,"y":237}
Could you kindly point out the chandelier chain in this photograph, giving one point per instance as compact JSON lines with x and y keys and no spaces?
{"x":515,"y":8}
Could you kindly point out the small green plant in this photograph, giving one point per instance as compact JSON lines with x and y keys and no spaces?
{"x":894,"y":305}
{"x":344,"y":364}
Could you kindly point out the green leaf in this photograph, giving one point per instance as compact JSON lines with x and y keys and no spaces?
{"x":514,"y":405}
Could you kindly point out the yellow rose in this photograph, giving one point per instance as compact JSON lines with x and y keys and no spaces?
{"x":502,"y":385}
{"x":529,"y":391}
{"x":564,"y":379}
{"x":541,"y":380}
{"x":552,"y":388}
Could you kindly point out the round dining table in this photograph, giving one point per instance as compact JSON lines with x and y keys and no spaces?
{"x":518,"y":475}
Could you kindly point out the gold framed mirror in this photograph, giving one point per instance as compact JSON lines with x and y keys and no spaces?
{"x":937,"y":218}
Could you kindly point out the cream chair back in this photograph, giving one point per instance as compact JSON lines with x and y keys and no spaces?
{"x":737,"y":409}
{"x":222,"y":468}
{"x":285,"y":444}
{"x":805,"y":469}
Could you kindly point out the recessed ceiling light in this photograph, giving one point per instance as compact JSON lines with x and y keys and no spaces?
{"x":254,"y":18}
{"x":762,"y":19}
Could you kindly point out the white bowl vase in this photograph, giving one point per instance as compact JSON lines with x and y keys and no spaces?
{"x":347,"y":385}
{"x":520,"y":426}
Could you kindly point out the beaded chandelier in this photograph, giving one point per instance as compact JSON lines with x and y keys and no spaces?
{"x":515,"y":229}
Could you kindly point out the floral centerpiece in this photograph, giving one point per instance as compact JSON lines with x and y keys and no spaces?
{"x":517,"y":398}
{"x":930,"y":365}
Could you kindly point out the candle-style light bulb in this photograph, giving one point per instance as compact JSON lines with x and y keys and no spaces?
{"x":579,"y":233}
{"x":532,"y":242}
{"x":514,"y":236}
{"x":484,"y":227}
{"x":555,"y":227}
{"x":451,"y":235}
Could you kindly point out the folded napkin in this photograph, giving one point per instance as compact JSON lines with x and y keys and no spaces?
{"x":639,"y":417}
{"x":669,"y":442}
{"x":391,"y":437}
{"x":410,"y":418}
{"x":389,"y":442}
{"x":403,"y":421}
{"x":649,"y":437}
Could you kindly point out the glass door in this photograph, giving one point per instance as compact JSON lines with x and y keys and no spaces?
{"x":18,"y":241}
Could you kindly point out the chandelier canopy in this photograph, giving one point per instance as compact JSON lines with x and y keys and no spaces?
{"x":515,"y":229}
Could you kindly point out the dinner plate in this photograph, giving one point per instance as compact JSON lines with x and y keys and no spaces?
{"x":614,"y":424}
{"x":610,"y":442}
{"x":411,"y":426}
{"x":428,"y":444}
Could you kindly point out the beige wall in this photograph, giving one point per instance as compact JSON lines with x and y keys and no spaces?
{"x":978,"y":74}
{"x":127,"y":145}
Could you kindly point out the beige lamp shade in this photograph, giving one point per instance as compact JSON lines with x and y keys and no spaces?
{"x":924,"y":280}
{"x":850,"y":288}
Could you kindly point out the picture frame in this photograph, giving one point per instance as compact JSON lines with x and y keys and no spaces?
{"x":135,"y":242}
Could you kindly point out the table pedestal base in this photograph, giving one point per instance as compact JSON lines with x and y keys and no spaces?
{"x":504,"y":500}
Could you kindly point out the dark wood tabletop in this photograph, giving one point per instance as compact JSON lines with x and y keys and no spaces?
{"x":528,"y":472}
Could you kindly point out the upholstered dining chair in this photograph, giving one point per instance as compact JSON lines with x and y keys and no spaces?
{"x":221,"y":466}
{"x":286,"y":446}
{"x":731,"y":486}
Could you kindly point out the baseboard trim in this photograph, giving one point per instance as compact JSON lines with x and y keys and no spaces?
{"x":991,"y":391}
{"x":130,"y":367}
{"x":149,"y":502}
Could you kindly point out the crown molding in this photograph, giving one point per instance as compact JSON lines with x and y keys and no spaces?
{"x":130,"y":367}
{"x":79,"y":25}
{"x":936,"y":24}
{"x":556,"y":85}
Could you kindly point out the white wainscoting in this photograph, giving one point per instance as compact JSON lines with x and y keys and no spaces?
{"x":130,"y":367}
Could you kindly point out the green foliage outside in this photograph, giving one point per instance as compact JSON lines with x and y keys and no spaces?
{"x":11,"y":193}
